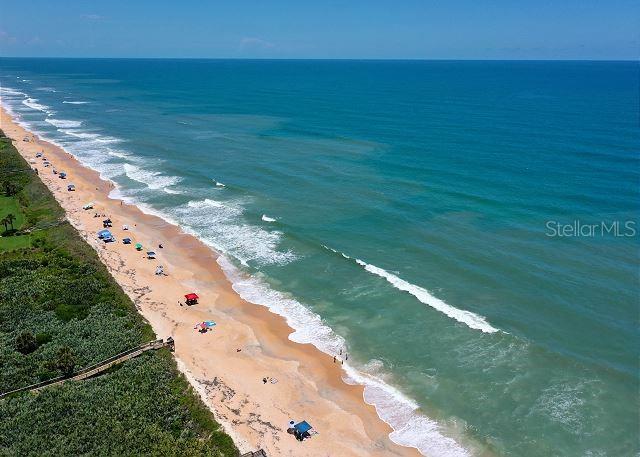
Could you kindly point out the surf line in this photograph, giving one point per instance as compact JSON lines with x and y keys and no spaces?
{"x":470,"y":319}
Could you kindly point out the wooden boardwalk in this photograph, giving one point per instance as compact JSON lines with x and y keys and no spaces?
{"x":98,"y":368}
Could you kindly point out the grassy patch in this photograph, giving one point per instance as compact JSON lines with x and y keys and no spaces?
{"x":11,"y":243}
{"x":9,"y":205}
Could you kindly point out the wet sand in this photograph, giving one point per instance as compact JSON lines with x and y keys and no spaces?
{"x":227,"y":364}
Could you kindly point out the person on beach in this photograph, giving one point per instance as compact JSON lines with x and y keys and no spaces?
{"x":334,"y":359}
{"x":264,"y":380}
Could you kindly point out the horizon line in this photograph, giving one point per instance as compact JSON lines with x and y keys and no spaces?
{"x":397,"y":59}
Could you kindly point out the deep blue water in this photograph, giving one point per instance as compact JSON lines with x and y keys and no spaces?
{"x":402,"y":209}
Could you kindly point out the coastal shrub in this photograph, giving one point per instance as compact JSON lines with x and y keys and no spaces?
{"x":66,"y":360}
{"x":26,"y":343}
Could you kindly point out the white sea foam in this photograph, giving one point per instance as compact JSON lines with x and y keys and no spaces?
{"x":46,"y":89}
{"x":33,"y":104}
{"x":219,"y":184}
{"x":221,"y":225}
{"x":207,"y":202}
{"x":411,"y":428}
{"x":75,"y":102}
{"x":63,"y":123}
{"x":95,"y":138}
{"x":120,"y":154}
{"x":470,"y":319}
{"x":10,"y":91}
{"x":267,"y":218}
{"x":152,"y":179}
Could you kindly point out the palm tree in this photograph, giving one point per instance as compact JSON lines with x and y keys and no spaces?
{"x":10,"y":218}
{"x":5,"y":222}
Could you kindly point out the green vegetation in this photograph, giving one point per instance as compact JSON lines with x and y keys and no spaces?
{"x":61,"y":311}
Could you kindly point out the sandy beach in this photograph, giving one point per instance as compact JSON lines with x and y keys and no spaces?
{"x":226,"y":365}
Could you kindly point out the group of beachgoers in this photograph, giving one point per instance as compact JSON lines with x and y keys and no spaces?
{"x":339,"y":357}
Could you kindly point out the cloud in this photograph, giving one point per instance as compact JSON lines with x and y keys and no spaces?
{"x":251,"y":43}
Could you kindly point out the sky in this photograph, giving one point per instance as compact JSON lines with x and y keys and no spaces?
{"x":326,"y":29}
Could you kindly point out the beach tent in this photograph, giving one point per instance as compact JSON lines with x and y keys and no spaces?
{"x":303,"y":426}
{"x":151,"y":255}
{"x":159,"y":270}
{"x":106,"y":223}
{"x":302,"y":430}
{"x":191,"y":298}
{"x":127,"y":241}
{"x":88,"y":206}
{"x":138,"y":247}
{"x":209,"y":324}
{"x":62,"y":175}
{"x":71,"y":188}
{"x":104,"y":233}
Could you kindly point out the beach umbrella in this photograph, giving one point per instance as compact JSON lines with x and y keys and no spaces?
{"x":138,"y":246}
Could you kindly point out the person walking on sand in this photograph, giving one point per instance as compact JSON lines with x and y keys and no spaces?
{"x":334,"y":359}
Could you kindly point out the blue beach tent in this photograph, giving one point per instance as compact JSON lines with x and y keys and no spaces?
{"x":127,"y":241}
{"x":102,"y":234}
{"x":303,"y":426}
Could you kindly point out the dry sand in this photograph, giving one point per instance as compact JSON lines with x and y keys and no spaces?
{"x":309,"y":385}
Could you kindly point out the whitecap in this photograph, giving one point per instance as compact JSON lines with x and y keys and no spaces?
{"x":90,"y":137}
{"x":75,"y":102}
{"x":64,"y":123}
{"x":152,"y":179}
{"x":221,"y":225}
{"x":33,"y":104}
{"x":470,"y":319}
{"x":11,"y":91}
{"x":267,"y":218}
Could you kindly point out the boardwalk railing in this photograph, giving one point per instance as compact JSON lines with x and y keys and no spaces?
{"x":97,"y":368}
{"x":258,"y":453}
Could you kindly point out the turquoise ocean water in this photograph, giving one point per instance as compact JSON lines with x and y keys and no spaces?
{"x":419,"y":214}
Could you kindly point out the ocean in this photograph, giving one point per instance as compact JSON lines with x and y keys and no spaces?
{"x":467,"y":231}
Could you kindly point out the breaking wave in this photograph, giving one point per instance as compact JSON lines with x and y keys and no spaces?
{"x":470,"y":319}
{"x":63,"y":123}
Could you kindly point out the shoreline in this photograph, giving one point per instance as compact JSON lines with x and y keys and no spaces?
{"x":225,"y":366}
